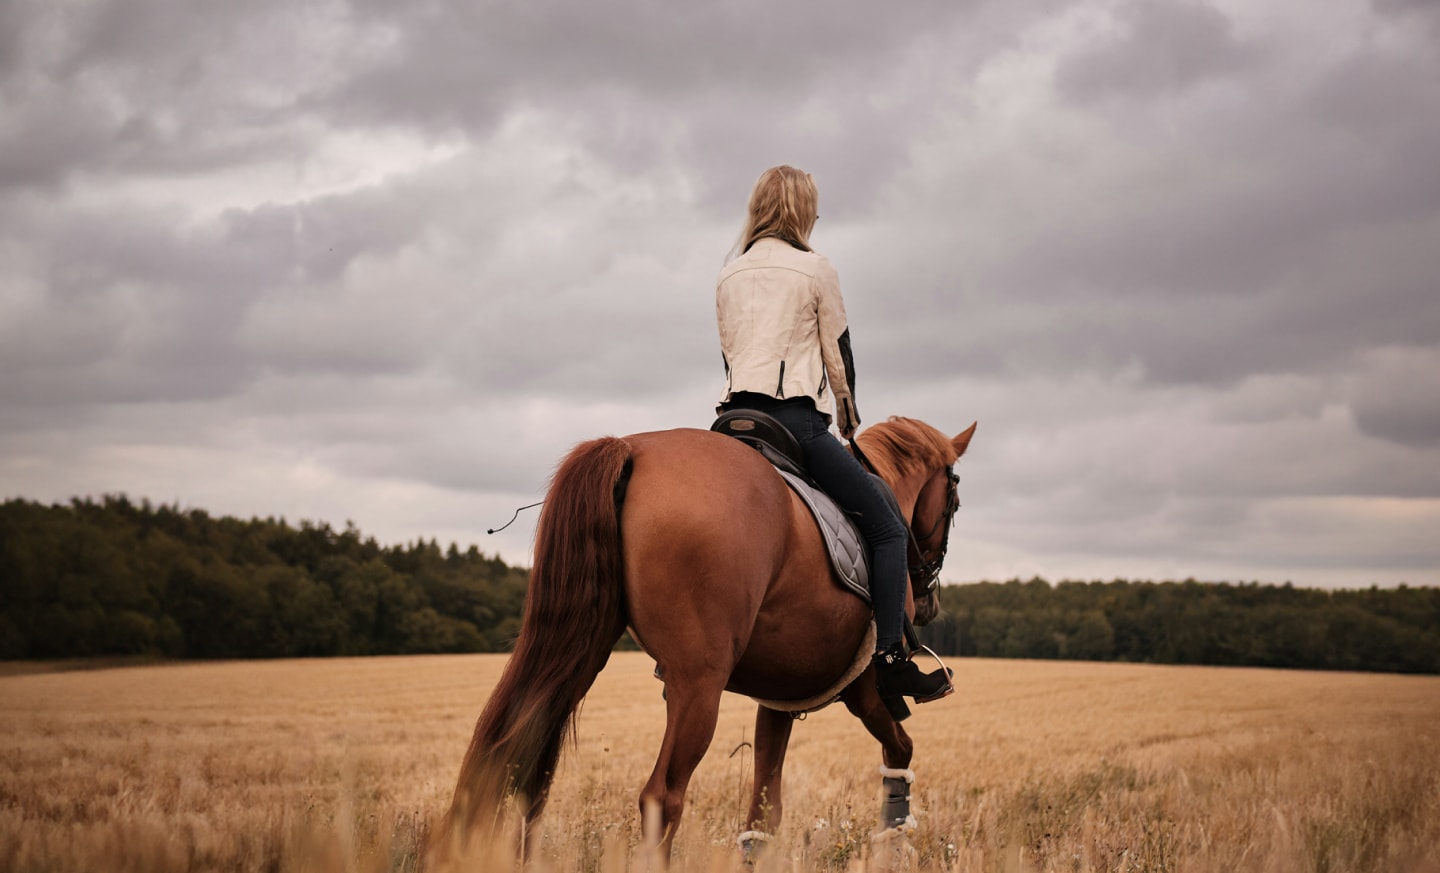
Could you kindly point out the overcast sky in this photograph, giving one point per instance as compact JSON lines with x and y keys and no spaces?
{"x":386,"y":262}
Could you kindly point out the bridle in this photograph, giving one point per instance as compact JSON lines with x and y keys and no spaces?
{"x":926,"y":571}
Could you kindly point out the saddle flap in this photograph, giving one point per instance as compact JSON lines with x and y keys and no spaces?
{"x":849,"y":557}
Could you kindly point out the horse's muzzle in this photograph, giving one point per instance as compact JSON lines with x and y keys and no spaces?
{"x":927,"y":608}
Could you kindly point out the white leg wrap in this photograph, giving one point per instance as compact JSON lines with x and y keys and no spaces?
{"x":753,"y":837}
{"x":907,"y":775}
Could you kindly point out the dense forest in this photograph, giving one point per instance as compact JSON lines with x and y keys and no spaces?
{"x":115,"y":577}
{"x":1383,"y":630}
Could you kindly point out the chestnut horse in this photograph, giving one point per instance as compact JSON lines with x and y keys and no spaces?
{"x":693,"y":541}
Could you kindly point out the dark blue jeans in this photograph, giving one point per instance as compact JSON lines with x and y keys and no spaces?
{"x":834,"y":469}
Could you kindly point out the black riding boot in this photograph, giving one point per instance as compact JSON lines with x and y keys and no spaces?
{"x":897,"y":676}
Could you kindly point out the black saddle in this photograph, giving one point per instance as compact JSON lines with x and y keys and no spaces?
{"x":765,"y":433}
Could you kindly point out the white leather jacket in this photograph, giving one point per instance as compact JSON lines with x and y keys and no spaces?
{"x":783,"y":331}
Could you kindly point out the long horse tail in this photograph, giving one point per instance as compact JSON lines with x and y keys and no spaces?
{"x":574,"y":614}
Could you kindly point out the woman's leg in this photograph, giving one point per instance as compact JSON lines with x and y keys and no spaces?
{"x":843,"y":478}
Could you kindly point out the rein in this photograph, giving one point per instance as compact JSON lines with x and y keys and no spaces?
{"x":925,"y":571}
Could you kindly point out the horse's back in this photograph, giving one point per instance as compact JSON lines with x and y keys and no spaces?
{"x":675,"y":466}
{"x":723,"y":559}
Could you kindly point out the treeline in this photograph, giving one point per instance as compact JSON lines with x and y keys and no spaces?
{"x":114,"y":577}
{"x":1384,"y":630}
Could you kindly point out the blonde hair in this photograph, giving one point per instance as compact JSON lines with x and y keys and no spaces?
{"x":784,"y":204}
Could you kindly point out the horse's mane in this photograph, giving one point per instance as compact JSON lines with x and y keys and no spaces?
{"x":901,"y":446}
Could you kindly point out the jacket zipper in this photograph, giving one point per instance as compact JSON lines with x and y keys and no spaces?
{"x":780,"y":386}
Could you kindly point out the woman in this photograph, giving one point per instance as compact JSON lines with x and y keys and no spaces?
{"x":787,"y":353}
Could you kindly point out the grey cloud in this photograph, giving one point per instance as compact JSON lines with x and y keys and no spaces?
{"x":125,"y":34}
{"x":734,"y":146}
{"x":1084,"y":458}
{"x":588,"y":343}
{"x":1396,"y":396}
{"x":472,"y":53}
{"x":1269,"y":499}
{"x":1412,"y":420}
{"x":154,"y":86}
{"x":719,"y":92}
{"x":1161,"y":49}
{"x":1410,"y":10}
{"x":14,"y":23}
{"x":44,"y":134}
{"x":457,"y":453}
{"x":132,"y":312}
{"x":1206,"y":254}
{"x":318,"y":333}
{"x":1269,"y":398}
{"x":143,"y":296}
{"x":318,"y":240}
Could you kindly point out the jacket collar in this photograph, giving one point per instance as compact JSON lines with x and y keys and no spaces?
{"x":769,"y":241}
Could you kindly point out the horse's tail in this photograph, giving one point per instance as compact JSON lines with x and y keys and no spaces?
{"x":574,"y":614}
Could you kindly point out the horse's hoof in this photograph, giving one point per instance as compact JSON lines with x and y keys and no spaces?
{"x":891,"y":849}
{"x":895,"y":830}
{"x":752,"y":844}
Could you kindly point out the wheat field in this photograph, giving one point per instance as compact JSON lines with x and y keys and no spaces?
{"x":342,"y":765}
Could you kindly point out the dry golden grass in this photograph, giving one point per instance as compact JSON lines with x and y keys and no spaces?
{"x":342,"y":764}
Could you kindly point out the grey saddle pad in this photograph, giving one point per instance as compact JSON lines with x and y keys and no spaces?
{"x":842,"y":538}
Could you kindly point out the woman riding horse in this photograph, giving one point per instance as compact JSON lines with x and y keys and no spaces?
{"x":694,"y":543}
{"x":786,"y":346}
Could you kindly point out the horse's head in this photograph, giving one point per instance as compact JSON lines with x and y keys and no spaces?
{"x":913,"y":450}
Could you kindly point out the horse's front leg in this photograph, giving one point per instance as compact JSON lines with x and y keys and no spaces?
{"x":865,"y":703}
{"x":772,"y":737}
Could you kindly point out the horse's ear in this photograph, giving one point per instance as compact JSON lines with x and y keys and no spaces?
{"x":962,"y":440}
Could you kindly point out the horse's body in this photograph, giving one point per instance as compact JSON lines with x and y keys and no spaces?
{"x":696,"y":544}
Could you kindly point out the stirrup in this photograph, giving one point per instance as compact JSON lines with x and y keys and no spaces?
{"x":949,"y":674}
{"x":895,"y":703}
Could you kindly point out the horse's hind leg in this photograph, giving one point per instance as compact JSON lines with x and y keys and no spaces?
{"x":864,"y":702}
{"x":772,"y":737}
{"x":691,"y":709}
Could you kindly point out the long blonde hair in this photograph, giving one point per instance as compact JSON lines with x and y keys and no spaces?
{"x":784,"y":204}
